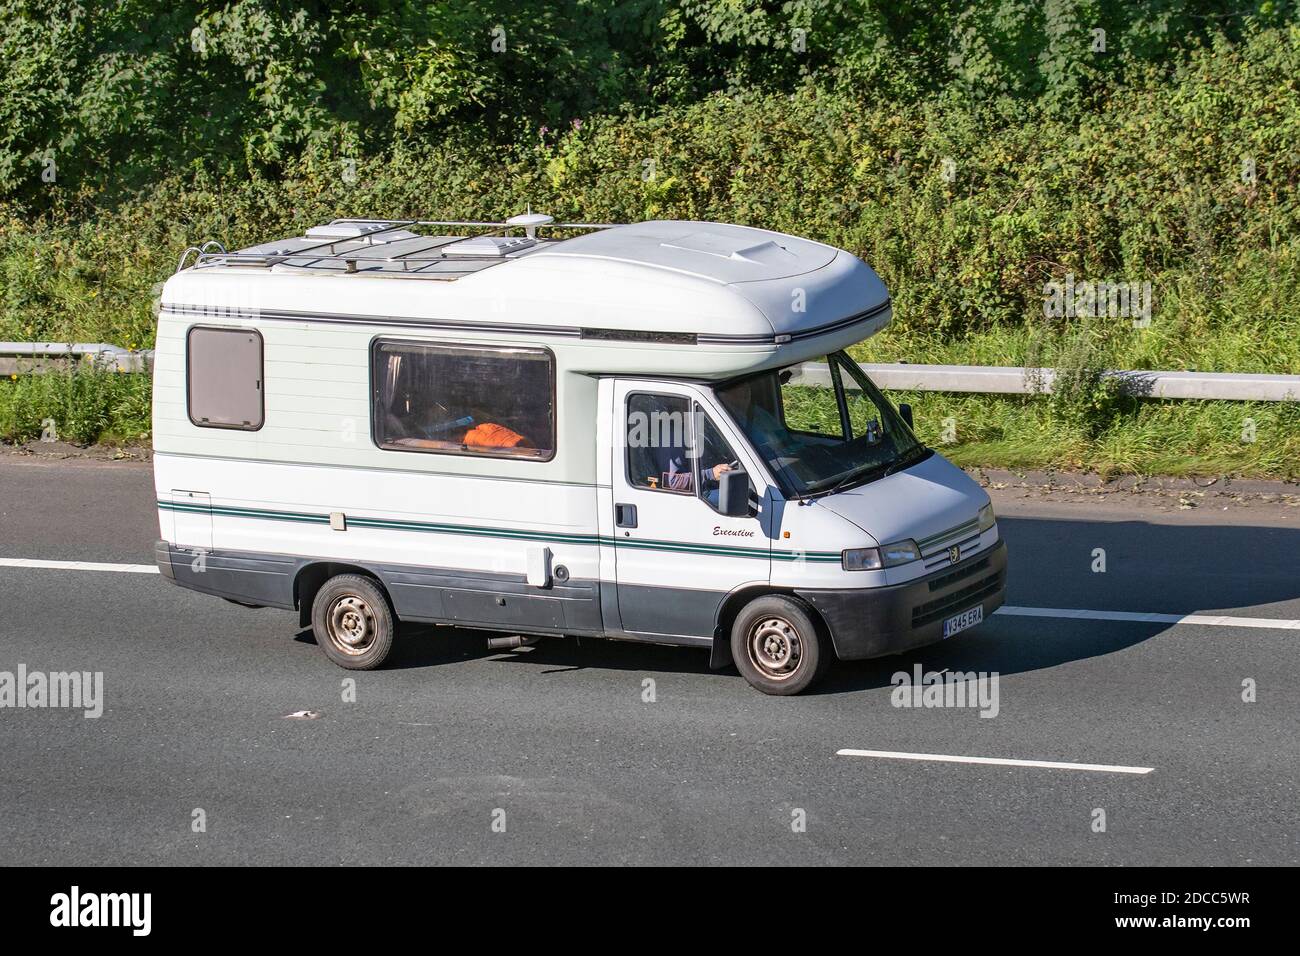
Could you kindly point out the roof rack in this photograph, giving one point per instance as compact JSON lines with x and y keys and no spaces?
{"x":323,"y":253}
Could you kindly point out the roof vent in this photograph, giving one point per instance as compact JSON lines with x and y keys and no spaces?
{"x":489,"y":246}
{"x":737,"y":249}
{"x":358,"y":230}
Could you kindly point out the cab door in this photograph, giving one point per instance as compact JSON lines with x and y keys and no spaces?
{"x":676,"y":555}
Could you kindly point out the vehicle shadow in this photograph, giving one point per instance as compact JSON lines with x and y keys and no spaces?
{"x":429,"y":645}
{"x":1005,"y":645}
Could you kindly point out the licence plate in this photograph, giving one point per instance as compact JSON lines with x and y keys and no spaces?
{"x":967,"y":618}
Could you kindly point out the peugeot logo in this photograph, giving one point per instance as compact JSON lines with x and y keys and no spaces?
{"x":954,"y":554}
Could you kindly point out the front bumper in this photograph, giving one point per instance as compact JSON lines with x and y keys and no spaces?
{"x":872,"y":622}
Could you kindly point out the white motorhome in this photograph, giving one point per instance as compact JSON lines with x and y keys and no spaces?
{"x":645,"y":432}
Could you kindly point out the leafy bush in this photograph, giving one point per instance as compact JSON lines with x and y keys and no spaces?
{"x":115,"y":95}
{"x":82,"y":405}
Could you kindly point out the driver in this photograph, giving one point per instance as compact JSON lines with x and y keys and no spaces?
{"x":675,"y":473}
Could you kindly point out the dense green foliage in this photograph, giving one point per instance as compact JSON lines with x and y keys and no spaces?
{"x":85,"y":405}
{"x":970,"y":154}
{"x":116,"y":93}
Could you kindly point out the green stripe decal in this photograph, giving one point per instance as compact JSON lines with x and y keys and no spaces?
{"x":394,"y":524}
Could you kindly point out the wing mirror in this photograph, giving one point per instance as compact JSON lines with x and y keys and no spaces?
{"x":905,"y":413}
{"x":733,"y":493}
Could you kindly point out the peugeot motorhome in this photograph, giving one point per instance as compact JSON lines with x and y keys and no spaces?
{"x":646,"y":432}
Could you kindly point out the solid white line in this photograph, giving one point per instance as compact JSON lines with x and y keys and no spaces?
{"x":1139,"y":617}
{"x":78,"y":566}
{"x":997,"y":761}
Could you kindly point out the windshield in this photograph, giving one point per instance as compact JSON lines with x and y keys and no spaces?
{"x":820,"y":425}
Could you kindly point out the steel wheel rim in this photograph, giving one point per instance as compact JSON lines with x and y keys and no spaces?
{"x":774,"y":648}
{"x":350,"y":624}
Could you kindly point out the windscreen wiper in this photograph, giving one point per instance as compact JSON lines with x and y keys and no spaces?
{"x":916,"y":454}
{"x":852,"y":476}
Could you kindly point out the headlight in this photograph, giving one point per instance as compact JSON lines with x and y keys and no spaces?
{"x":987,"y":518}
{"x":886,"y":556}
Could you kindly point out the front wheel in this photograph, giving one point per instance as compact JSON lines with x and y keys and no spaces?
{"x":777,"y":647}
{"x":352,"y":622}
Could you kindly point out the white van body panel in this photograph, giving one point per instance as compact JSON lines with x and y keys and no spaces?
{"x":443,"y":521}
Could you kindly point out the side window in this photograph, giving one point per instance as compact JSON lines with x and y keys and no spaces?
{"x":659,"y":454}
{"x":716,"y":458}
{"x":223,"y":378}
{"x":463,"y":400}
{"x":864,"y":416}
{"x":809,"y":409}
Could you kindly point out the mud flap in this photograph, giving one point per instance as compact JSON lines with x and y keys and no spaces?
{"x":720,"y":655}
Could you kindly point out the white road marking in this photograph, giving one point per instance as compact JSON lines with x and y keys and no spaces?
{"x":996,"y":761}
{"x":78,"y":566}
{"x":1141,"y":617}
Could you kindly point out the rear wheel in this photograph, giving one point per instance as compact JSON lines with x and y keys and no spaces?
{"x":353,"y":622}
{"x":777,"y":647}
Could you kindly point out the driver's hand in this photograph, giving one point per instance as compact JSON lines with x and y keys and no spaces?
{"x":720,"y":470}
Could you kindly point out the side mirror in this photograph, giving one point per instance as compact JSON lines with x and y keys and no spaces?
{"x":733,"y":494}
{"x":905,"y":412}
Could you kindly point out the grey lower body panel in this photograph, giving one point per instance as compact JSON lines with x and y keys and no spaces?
{"x":423,"y":595}
{"x":249,"y":578}
{"x":683,"y":612}
{"x":492,"y":600}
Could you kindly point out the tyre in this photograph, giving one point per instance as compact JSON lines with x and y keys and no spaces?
{"x":352,"y":621}
{"x":777,"y":646}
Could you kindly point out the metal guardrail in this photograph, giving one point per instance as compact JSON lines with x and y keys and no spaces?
{"x":24,"y":358}
{"x":36,"y":357}
{"x":1011,"y":380}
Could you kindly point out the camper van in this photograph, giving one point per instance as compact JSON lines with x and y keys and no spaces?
{"x":646,"y":432}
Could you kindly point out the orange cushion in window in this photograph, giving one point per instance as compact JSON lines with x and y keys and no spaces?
{"x":492,"y":435}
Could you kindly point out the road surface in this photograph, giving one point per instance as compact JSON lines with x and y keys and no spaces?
{"x":563,"y":753}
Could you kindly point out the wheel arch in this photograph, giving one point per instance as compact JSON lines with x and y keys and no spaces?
{"x":730,"y":607}
{"x":312,"y":576}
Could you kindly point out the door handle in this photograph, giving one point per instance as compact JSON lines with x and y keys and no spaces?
{"x":625,"y":516}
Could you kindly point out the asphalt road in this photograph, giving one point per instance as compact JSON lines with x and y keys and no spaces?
{"x":558,"y":742}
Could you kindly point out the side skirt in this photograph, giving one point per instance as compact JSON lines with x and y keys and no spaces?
{"x":478,"y":600}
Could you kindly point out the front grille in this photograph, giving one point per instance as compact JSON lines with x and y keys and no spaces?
{"x":939,"y":559}
{"x":963,"y":571}
{"x":968,"y":596}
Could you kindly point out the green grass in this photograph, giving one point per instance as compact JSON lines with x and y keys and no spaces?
{"x":1135,"y":436}
{"x":82,"y":406}
{"x":1146,"y":437}
{"x":1107,"y":433}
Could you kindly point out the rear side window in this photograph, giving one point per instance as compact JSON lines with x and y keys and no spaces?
{"x":224,"y":378}
{"x":463,"y":400}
